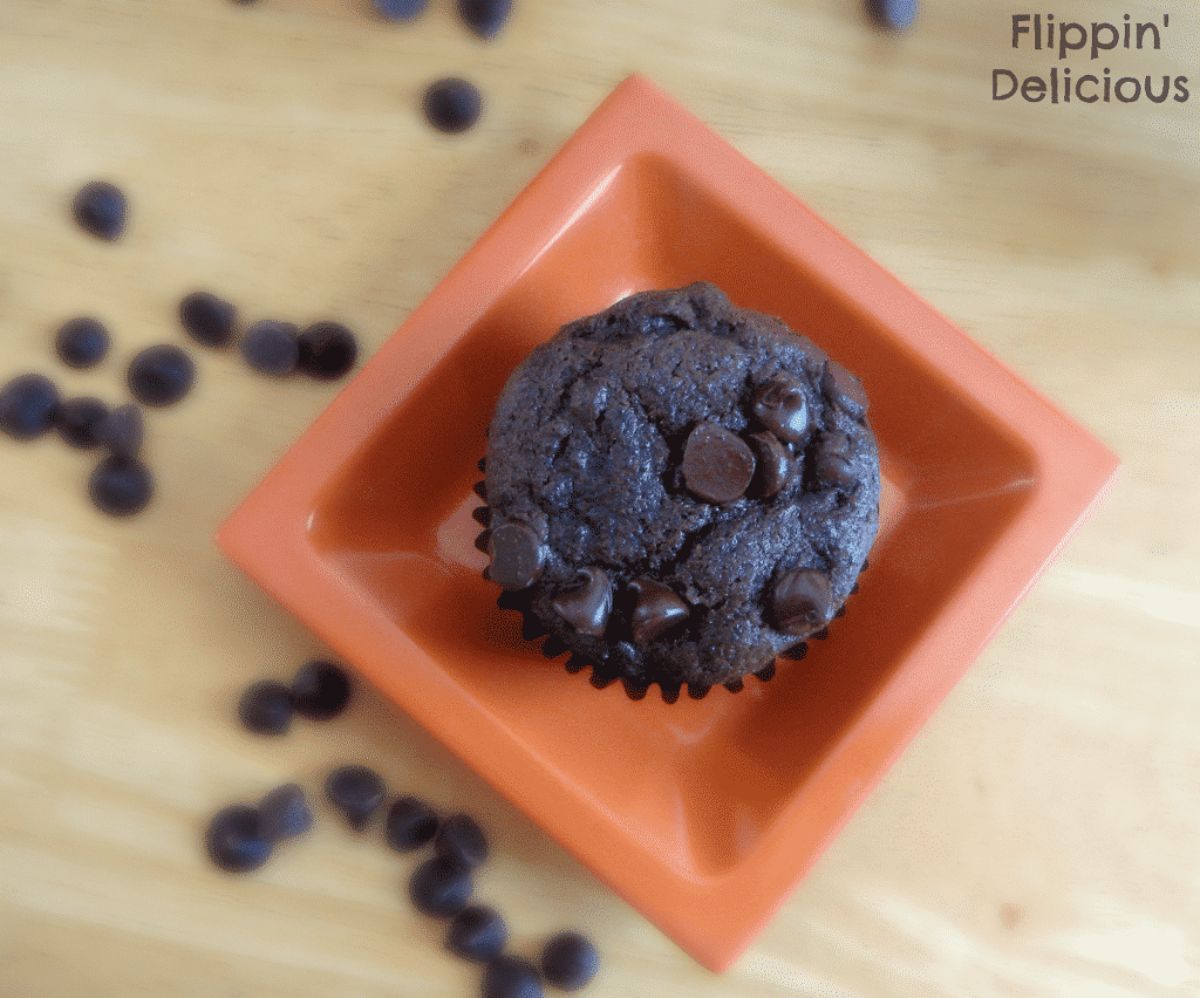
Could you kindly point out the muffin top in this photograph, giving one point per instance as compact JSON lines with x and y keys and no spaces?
{"x":679,"y":489}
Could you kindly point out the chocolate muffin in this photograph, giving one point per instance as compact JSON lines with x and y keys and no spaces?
{"x":678,"y":491}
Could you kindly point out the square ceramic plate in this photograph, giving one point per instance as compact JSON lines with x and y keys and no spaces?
{"x":705,"y":814}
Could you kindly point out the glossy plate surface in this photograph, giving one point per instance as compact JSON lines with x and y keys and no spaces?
{"x":705,"y":814}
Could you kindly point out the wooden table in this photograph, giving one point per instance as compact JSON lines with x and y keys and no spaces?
{"x":1041,"y":835}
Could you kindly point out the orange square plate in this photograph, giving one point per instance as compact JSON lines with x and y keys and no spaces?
{"x":705,"y":814}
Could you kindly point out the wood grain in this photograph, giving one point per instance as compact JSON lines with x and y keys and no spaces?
{"x":1040,"y":836}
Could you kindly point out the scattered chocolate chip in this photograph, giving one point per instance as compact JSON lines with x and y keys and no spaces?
{"x":800,"y":601}
{"x":834,"y":443}
{"x":480,"y":489}
{"x":207,"y":319}
{"x":477,"y":933}
{"x":773,"y":466}
{"x":122,"y":430}
{"x":532,"y":628}
{"x":266,"y":708}
{"x":161,"y":375}
{"x":82,"y":342}
{"x":844,"y":390}
{"x":78,"y":421}
{"x":100,"y":208}
{"x":482,"y":515}
{"x":410,"y":824}
{"x":517,"y":555}
{"x":697,"y":691}
{"x":587,"y":607}
{"x":452,"y":105}
{"x":400,"y":10}
{"x":656,"y":610}
{"x":669,"y":691}
{"x":284,"y":813}
{"x":767,"y":672}
{"x":321,"y":690}
{"x":569,"y":961}
{"x":462,"y":841}
{"x":357,"y":792}
{"x":28,"y":406}
{"x":717,"y":464}
{"x":440,"y":887}
{"x":511,"y":977}
{"x":235,"y":841}
{"x":895,"y":15}
{"x":481,"y":464}
{"x":780,"y":405}
{"x":735,"y":685}
{"x":635,"y":690}
{"x":121,"y":486}
{"x":484,"y":17}
{"x":483,"y":541}
{"x":834,"y":470}
{"x":327,"y":350}
{"x":271,"y":348}
{"x":795,"y":653}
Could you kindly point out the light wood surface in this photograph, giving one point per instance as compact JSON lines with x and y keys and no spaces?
{"x":1040,"y":837}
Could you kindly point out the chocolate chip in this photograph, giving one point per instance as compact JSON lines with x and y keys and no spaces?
{"x":717,"y":464}
{"x":834,"y":470}
{"x":121,"y":486}
{"x":82,"y":342}
{"x":122,"y":430}
{"x":481,"y":515}
{"x":477,"y":933}
{"x":327,"y":350}
{"x":235,"y":841}
{"x":569,"y":961}
{"x":321,"y":690}
{"x":460,"y":840}
{"x":400,"y":10}
{"x":100,"y":208}
{"x":410,"y":824}
{"x":484,"y":17}
{"x":266,"y":708}
{"x":844,"y":390}
{"x":587,"y":607}
{"x":511,"y":977}
{"x":773,"y":467}
{"x":440,"y":887}
{"x":517,"y":555}
{"x":271,"y":348}
{"x":780,"y":405}
{"x":284,"y":813}
{"x":801,"y":601}
{"x":79,"y":420}
{"x":895,"y":15}
{"x":656,"y":610}
{"x":452,"y":105}
{"x":208,"y":319}
{"x":28,"y":406}
{"x":161,"y":375}
{"x":357,"y":792}
{"x":834,"y":443}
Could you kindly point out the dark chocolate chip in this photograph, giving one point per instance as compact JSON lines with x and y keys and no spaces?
{"x":440,"y":887}
{"x":121,"y":486}
{"x":576,"y":663}
{"x":122,"y":430}
{"x":844,"y":390}
{"x":462,"y":841}
{"x":895,"y":15}
{"x":161,"y":375}
{"x":482,"y":515}
{"x":400,"y":10}
{"x":235,"y":841}
{"x":321,"y":690}
{"x":284,"y":813}
{"x":79,"y":421}
{"x":480,"y":489}
{"x":587,"y":607}
{"x":208,"y":319}
{"x":800,"y":601}
{"x":357,"y":792}
{"x":328,"y":350}
{"x":82,"y":342}
{"x":669,"y":691}
{"x":774,"y":465}
{"x":101,"y":208}
{"x":483,"y":541}
{"x":795,"y":653}
{"x":517,"y":555}
{"x":532,"y":628}
{"x":767,"y":672}
{"x":410,"y":824}
{"x":656,"y":610}
{"x":28,"y":406}
{"x":511,"y":977}
{"x":481,"y":464}
{"x":271,"y":348}
{"x":735,"y":685}
{"x":834,"y":443}
{"x":266,"y":708}
{"x":452,"y":105}
{"x":569,"y":961}
{"x":477,"y":933}
{"x":717,"y":464}
{"x":698,"y":691}
{"x":780,"y":405}
{"x":635,"y":690}
{"x":834,"y":470}
{"x":484,"y":17}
